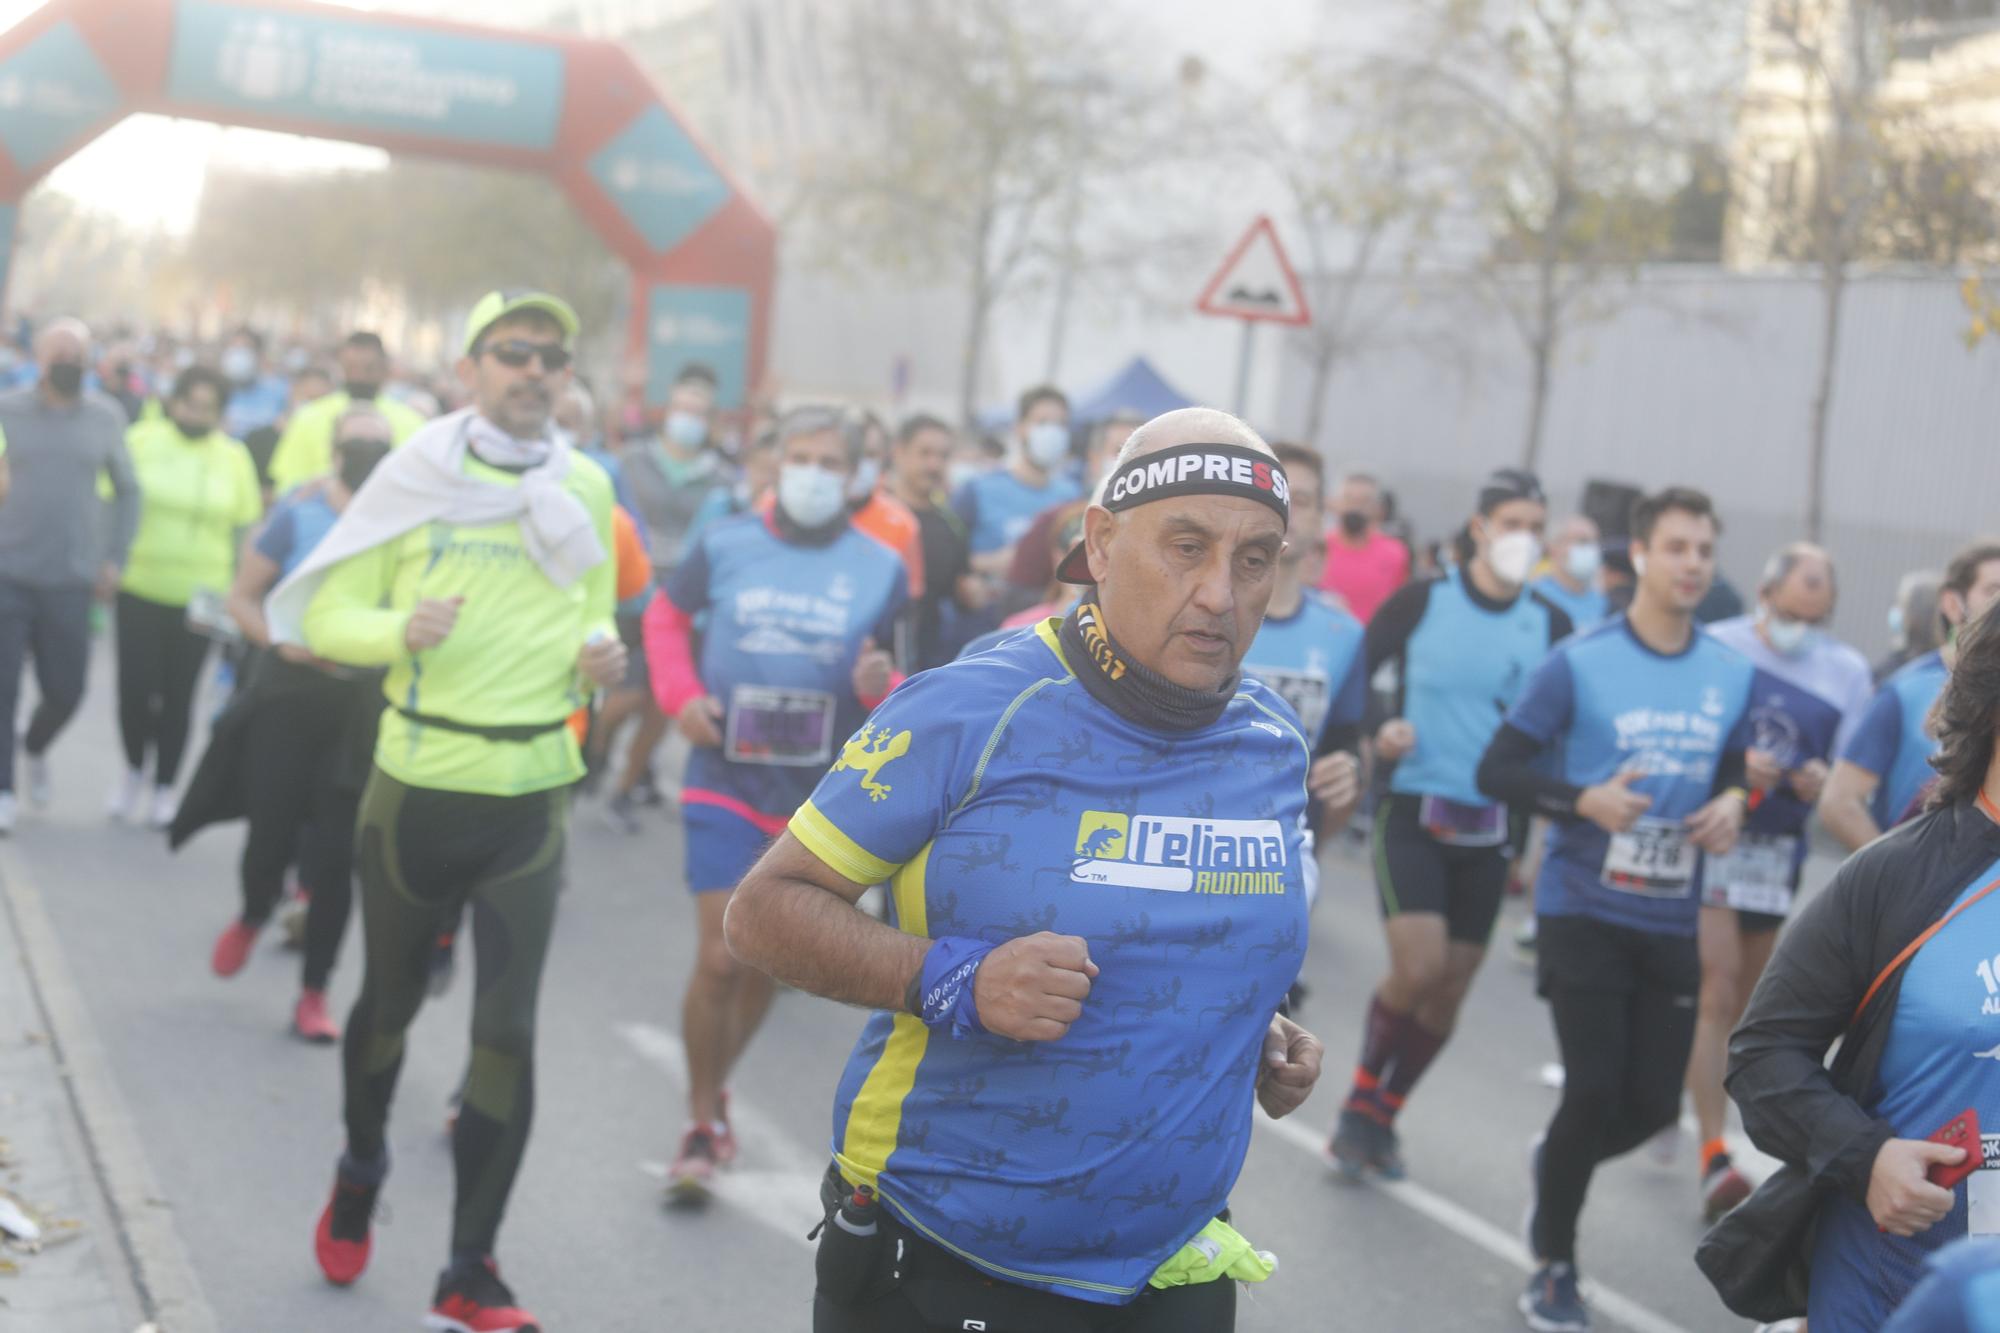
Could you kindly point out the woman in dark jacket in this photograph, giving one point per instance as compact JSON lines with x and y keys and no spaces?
{"x":1917,"y":1014}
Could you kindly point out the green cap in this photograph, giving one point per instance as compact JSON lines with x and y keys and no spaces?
{"x":495,"y":306}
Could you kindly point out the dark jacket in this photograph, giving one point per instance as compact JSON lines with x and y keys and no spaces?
{"x":1809,"y":1115}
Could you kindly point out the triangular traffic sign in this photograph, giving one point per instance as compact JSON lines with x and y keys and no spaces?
{"x":1256,"y":281}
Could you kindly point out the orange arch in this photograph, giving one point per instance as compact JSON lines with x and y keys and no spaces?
{"x":580,"y":112}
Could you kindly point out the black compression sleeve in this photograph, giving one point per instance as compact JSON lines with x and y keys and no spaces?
{"x":1730,"y":772}
{"x":1390,"y":628}
{"x":1507,"y":773}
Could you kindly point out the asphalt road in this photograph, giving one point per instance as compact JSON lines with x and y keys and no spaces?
{"x":241,"y":1123}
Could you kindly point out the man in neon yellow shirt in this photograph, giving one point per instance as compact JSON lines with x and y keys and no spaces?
{"x":198,"y":491}
{"x":305,"y":450}
{"x":473,"y":565}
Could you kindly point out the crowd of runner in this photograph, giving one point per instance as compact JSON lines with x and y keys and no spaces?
{"x":1089,"y":699}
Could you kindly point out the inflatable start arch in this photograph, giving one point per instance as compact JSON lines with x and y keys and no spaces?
{"x":577,"y":111}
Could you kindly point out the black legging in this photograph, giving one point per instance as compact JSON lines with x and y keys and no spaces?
{"x":1623,"y":1002}
{"x":159,"y":664}
{"x":305,"y":760}
{"x":423,"y":856}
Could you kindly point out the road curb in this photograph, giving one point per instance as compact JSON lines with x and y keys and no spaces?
{"x":157,"y":1263}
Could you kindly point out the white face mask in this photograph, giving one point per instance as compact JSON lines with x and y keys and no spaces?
{"x":1584,"y":561}
{"x":810,"y":496}
{"x":1896,"y":624}
{"x":1639,"y":565}
{"x":1513,"y":557}
{"x":1047,"y":443}
{"x":686,"y":430}
{"x":239,"y":364}
{"x":867,"y":473}
{"x":1787,"y":636}
{"x":957,"y":474}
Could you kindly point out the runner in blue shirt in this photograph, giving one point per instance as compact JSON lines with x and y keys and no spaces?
{"x":1576,"y":553}
{"x":999,"y":507}
{"x":1463,"y":645}
{"x":1811,"y":689}
{"x":1885,"y":763}
{"x":1093,"y":836}
{"x":1646,"y":718}
{"x":801,"y":609}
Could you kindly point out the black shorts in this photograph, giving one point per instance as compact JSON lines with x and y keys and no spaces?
{"x":1414,"y":872}
{"x":1581,"y":953}
{"x":632,"y":633}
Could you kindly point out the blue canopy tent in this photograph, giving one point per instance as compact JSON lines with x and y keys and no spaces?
{"x":1137,"y":388}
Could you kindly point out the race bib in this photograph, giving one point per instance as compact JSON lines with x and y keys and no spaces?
{"x":768,"y":724}
{"x":1653,"y":859}
{"x":1756,"y":876}
{"x":1456,"y":824}
{"x":1982,"y":1202}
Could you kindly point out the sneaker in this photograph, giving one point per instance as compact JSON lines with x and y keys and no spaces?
{"x":1387,"y":1156}
{"x":164,"y":805}
{"x":40,"y":790}
{"x":7,"y":811}
{"x":647,"y":792}
{"x":1722,"y":1188}
{"x":1553,"y":1303}
{"x":1352,"y":1145}
{"x":621,"y":813}
{"x":689,"y":1176}
{"x":471,"y":1298}
{"x":127,"y":797}
{"x":311,"y":1022}
{"x":342,"y":1241}
{"x":232,"y":948}
{"x":443,"y":963}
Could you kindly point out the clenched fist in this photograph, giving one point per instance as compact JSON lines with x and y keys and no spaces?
{"x":1033,"y":988}
{"x":602,"y":662}
{"x":431,"y":622}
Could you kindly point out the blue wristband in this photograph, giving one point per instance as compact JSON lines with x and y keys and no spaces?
{"x":944,"y":989}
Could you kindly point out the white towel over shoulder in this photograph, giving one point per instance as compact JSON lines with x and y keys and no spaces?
{"x":425,"y":481}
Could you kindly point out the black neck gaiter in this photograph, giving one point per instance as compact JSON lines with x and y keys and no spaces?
{"x":1118,"y":682}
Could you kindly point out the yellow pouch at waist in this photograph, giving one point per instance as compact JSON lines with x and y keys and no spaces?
{"x":1219,"y":1251}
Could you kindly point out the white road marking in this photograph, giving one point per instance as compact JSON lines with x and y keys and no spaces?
{"x":782,"y":1189}
{"x":1477,"y":1230}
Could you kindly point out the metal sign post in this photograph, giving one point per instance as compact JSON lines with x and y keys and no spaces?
{"x":1256,"y":284}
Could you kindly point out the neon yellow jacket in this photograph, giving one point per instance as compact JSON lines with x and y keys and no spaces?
{"x":305,"y":450}
{"x":195,"y":496}
{"x":510,"y":659}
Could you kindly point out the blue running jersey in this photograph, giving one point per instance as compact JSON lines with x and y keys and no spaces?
{"x":1614,"y":704}
{"x":784,"y":625}
{"x":998,"y":508}
{"x":1960,"y":1292}
{"x":1891,"y":741}
{"x":999,"y":799}
{"x":1462,"y":667}
{"x":1942,"y":1057}
{"x":1584,"y":609}
{"x":1313,"y":660}
{"x":1802,"y":708}
{"x":295,"y":526}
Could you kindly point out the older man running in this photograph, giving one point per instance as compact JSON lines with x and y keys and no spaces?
{"x":1093,"y":836}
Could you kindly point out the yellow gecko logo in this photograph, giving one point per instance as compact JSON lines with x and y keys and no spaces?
{"x":869,"y":760}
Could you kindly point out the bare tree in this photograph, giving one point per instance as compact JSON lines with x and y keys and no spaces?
{"x":1565,"y":121}
{"x":976,"y":125}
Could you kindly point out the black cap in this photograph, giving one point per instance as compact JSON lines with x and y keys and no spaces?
{"x":1509,"y":483}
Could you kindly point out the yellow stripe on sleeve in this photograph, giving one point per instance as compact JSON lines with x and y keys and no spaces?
{"x":876,"y":1116}
{"x":823,"y":839}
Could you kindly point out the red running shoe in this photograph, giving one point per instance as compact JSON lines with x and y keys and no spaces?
{"x":310,"y":1021}
{"x":342,"y":1242}
{"x":693,"y":1169}
{"x":232,"y":948}
{"x":471,"y":1298}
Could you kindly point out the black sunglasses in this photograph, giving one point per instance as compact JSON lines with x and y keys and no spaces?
{"x":518,"y":352}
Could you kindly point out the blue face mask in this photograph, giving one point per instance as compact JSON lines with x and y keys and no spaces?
{"x":810,"y":496}
{"x":1047,"y":443}
{"x":686,"y":430}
